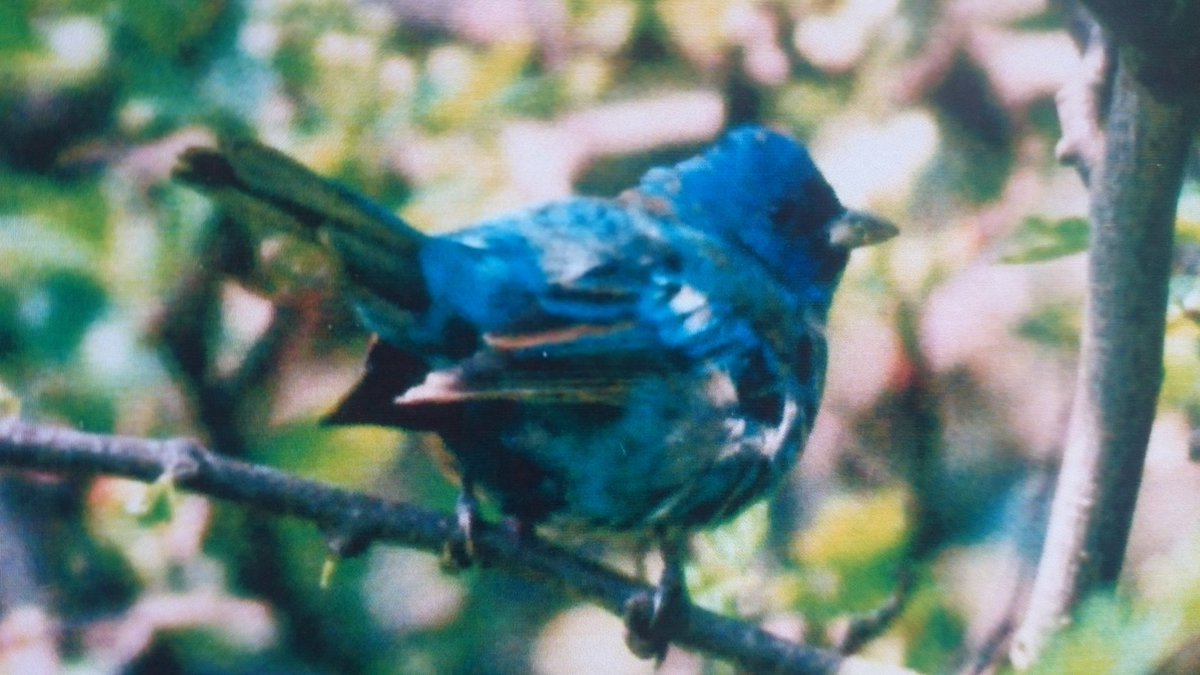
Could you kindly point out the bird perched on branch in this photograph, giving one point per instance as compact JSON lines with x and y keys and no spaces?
{"x":651,"y":363}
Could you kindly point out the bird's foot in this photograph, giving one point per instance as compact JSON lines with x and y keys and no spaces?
{"x":652,"y":619}
{"x":458,"y":553}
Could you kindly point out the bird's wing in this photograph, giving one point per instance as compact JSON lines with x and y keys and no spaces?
{"x":612,"y":306}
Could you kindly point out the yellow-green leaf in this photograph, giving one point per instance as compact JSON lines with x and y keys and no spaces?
{"x":1039,"y":239}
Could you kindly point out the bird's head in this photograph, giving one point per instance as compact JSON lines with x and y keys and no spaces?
{"x":760,"y":189}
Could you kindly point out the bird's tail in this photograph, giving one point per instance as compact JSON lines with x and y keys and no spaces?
{"x":263,"y":187}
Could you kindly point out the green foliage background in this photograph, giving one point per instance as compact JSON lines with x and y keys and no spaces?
{"x":952,"y":347}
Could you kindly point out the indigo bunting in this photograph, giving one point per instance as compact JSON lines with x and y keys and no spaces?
{"x":650,"y":363}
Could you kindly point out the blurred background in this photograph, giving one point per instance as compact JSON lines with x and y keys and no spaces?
{"x":128,"y":306}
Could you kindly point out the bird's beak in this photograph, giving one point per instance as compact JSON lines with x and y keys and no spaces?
{"x":858,"y":228}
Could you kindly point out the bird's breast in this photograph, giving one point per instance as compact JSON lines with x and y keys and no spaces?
{"x":682,"y":450}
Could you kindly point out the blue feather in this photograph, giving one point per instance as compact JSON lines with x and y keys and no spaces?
{"x":650,"y":361}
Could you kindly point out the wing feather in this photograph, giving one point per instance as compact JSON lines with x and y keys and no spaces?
{"x":568,"y":315}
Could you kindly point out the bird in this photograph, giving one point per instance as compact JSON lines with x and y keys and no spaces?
{"x":645,"y":365}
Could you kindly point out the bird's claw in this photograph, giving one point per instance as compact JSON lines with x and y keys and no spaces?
{"x":653,"y":618}
{"x":458,"y":553}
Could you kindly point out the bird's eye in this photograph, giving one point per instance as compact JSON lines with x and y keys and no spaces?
{"x":786,"y":217}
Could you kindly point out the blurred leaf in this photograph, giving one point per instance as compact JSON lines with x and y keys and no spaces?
{"x":603,"y":24}
{"x":354,"y":456}
{"x":1054,"y":325}
{"x":71,"y":219}
{"x":698,"y":27}
{"x":1109,"y":636}
{"x":10,"y":405}
{"x":1039,"y":239}
{"x":855,"y":530}
{"x":934,"y":633}
{"x":156,"y":505}
{"x":117,"y":515}
{"x":1181,"y":365}
{"x":56,"y":311}
{"x":27,"y":246}
{"x":720,"y":567}
{"x":171,"y":27}
{"x":10,"y":326}
{"x":70,"y":399}
{"x":16,"y":30}
{"x":967,"y":167}
{"x":1184,"y":294}
{"x":345,"y":622}
{"x":534,"y":97}
{"x":327,"y":571}
{"x":807,"y":105}
{"x":850,"y":553}
{"x":466,"y":86}
{"x":1188,"y":211}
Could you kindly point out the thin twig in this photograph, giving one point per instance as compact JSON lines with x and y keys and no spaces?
{"x":1083,"y":100}
{"x":346,"y":514}
{"x":855,"y":633}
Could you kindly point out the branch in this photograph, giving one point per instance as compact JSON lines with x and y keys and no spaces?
{"x":359,"y":519}
{"x":1159,"y":42}
{"x":1148,"y":130}
{"x":1083,"y":100}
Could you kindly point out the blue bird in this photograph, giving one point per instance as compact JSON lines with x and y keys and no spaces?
{"x":649,"y":364}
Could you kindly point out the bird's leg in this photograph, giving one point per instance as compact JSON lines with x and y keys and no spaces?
{"x":459,"y":551}
{"x":652,"y":619}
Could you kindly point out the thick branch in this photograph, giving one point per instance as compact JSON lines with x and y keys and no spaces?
{"x":1133,"y":194}
{"x":1160,"y":43}
{"x":350,"y":516}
